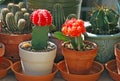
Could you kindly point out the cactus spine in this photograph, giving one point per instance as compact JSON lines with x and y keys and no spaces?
{"x":58,"y":16}
{"x":104,"y":20}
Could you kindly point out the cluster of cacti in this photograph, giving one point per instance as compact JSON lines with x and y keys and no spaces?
{"x":42,"y":19}
{"x":16,"y":18}
{"x":58,"y":16}
{"x":104,"y":21}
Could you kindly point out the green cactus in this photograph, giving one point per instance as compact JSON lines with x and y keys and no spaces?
{"x":22,"y":5}
{"x":4,"y":11}
{"x":17,"y":19}
{"x":18,"y":15}
{"x":10,"y":6}
{"x":28,"y":24}
{"x":40,"y":37}
{"x":104,"y":20}
{"x":58,"y":16}
{"x":21,"y":24}
{"x":10,"y":21}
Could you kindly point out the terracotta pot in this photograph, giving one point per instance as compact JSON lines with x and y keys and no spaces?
{"x":93,"y":74}
{"x":117,"y":54}
{"x":37,"y":63}
{"x":58,"y":43}
{"x":111,"y":66}
{"x":17,"y":69}
{"x":11,"y":42}
{"x":79,"y":62}
{"x":2,"y":51}
{"x":5,"y":66}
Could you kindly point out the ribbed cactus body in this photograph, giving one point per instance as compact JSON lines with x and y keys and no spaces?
{"x":15,"y":8}
{"x":4,"y":11}
{"x":21,"y":24}
{"x":10,"y":6}
{"x":22,"y":5}
{"x":18,"y":15}
{"x":104,"y":20}
{"x":27,"y":18}
{"x":39,"y":37}
{"x":58,"y":16}
{"x":10,"y":21}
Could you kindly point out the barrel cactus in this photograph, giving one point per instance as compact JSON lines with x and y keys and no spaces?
{"x":16,"y":18}
{"x":42,"y":20}
{"x":104,"y":21}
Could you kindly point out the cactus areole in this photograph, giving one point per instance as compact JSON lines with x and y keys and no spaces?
{"x":41,"y":19}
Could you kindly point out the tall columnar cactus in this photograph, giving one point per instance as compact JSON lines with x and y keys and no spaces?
{"x":104,"y":20}
{"x":42,"y":19}
{"x":14,"y":17}
{"x":58,"y":16}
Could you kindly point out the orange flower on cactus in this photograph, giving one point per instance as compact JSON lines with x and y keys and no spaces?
{"x":71,"y":31}
{"x":73,"y":28}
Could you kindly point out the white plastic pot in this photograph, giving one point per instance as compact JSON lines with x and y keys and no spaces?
{"x":37,"y":63}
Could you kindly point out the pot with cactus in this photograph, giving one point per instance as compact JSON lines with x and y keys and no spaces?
{"x":16,"y":27}
{"x":37,"y":56}
{"x":104,"y":32}
{"x":78,"y":53}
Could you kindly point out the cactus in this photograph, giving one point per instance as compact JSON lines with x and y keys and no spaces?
{"x":4,"y":11}
{"x":17,"y":19}
{"x":10,"y":21}
{"x":21,"y":24}
{"x":58,"y":16}
{"x":104,"y":20}
{"x":22,"y":5}
{"x":42,"y":19}
{"x":18,"y":15}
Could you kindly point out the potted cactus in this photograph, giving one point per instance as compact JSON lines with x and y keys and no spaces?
{"x":79,"y":54}
{"x":104,"y":32}
{"x":16,"y":27}
{"x":37,"y":56}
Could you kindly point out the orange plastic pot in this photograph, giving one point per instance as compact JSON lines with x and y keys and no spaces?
{"x":5,"y":66}
{"x":11,"y":42}
{"x":93,"y":74}
{"x":79,"y":62}
{"x":17,"y":69}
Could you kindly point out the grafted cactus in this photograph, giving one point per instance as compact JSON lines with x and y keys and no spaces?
{"x":16,"y":18}
{"x":58,"y":16}
{"x":42,"y":19}
{"x":104,"y":20}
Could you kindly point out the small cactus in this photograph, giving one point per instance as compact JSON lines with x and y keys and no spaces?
{"x":104,"y":20}
{"x":42,"y":19}
{"x":58,"y":16}
{"x":4,"y":11}
{"x":16,"y":18}
{"x":22,"y":5}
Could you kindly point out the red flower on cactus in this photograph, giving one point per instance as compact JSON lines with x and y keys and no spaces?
{"x":73,"y":28}
{"x":41,"y":17}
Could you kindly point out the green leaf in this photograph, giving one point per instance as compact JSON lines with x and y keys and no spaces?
{"x":60,"y":36}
